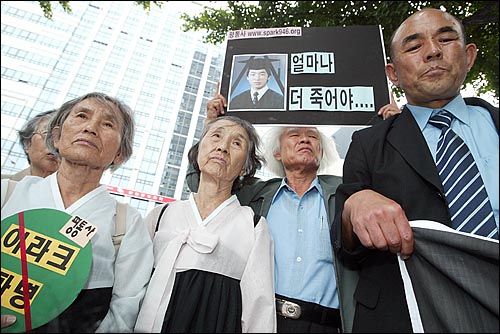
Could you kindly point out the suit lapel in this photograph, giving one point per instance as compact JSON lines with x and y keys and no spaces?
{"x":407,"y":139}
{"x":329,"y":184}
{"x":261,"y":200}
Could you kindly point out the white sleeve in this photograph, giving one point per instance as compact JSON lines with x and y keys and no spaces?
{"x":133,"y":267}
{"x":257,"y":285}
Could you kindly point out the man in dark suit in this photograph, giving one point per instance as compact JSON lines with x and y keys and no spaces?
{"x":390,"y":174}
{"x":259,"y":96}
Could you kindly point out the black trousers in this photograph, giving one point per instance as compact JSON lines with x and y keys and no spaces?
{"x":287,"y":325}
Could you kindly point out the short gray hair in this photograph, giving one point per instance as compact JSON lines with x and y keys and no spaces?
{"x":127,"y":142}
{"x":254,"y":158}
{"x":30,"y":127}
{"x":273,"y":145}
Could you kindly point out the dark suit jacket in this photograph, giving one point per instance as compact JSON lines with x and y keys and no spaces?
{"x":392,"y":158}
{"x":270,"y":100}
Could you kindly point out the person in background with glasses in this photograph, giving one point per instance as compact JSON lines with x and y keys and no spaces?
{"x":32,"y":138}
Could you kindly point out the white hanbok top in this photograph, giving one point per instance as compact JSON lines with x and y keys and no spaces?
{"x":127,"y":274}
{"x":227,"y":243}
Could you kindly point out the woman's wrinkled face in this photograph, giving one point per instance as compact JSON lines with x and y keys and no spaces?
{"x":223,"y":151}
{"x":91,"y":135}
{"x":41,"y":159}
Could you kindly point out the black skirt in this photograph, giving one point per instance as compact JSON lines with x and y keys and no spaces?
{"x":203,"y":302}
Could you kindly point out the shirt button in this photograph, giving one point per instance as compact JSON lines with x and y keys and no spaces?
{"x":300,"y":230}
{"x":299,"y":259}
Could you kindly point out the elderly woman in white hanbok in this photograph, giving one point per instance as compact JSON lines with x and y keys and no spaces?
{"x":214,"y":260}
{"x":90,"y":134}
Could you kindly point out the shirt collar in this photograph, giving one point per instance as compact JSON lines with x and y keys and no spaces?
{"x":261,"y":91}
{"x":285,"y":187}
{"x":456,"y":107}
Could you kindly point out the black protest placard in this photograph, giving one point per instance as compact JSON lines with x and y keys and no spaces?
{"x":314,"y":76}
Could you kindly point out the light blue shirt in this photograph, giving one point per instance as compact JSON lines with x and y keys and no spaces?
{"x":475,"y":126}
{"x":303,"y":256}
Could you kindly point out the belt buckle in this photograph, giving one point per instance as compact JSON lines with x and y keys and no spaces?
{"x":290,"y":310}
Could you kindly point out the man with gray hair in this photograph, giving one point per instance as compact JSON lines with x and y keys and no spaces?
{"x":299,"y":209}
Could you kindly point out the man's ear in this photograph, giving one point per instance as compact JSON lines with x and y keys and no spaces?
{"x":471,"y":52}
{"x":277,"y":156}
{"x":390,"y":71}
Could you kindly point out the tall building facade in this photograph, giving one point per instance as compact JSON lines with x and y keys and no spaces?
{"x":116,"y":47}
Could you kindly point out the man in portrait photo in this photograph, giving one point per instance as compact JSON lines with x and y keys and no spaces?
{"x":259,"y":71}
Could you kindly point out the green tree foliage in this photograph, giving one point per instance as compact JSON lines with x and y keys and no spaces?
{"x":47,"y":6}
{"x":480,"y":19}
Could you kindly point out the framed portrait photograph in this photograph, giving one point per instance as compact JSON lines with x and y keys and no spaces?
{"x":306,"y":76}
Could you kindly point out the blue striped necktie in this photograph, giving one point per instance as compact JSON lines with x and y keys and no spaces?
{"x":463,"y":186}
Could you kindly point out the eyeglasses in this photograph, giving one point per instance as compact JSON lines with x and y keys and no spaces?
{"x":42,"y":134}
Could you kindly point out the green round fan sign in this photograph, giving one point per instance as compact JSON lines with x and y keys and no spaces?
{"x":54,"y":269}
